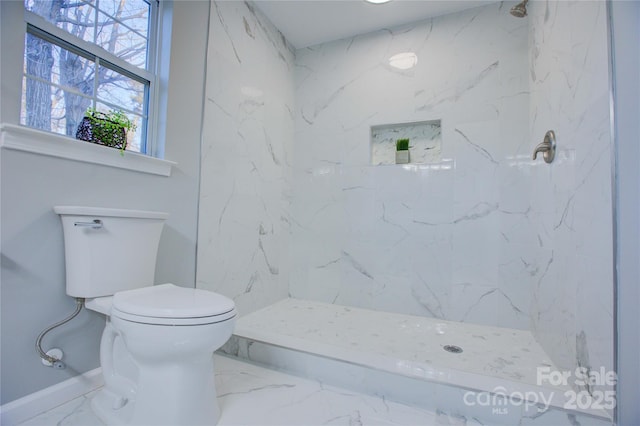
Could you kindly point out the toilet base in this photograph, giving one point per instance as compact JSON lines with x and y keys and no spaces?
{"x":158,"y":383}
{"x":114,"y":410}
{"x":103,"y":404}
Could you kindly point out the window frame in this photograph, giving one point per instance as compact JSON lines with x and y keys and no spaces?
{"x":49,"y":32}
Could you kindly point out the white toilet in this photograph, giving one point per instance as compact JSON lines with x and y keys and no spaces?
{"x":157,"y":345}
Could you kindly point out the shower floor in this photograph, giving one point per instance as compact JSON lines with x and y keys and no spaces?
{"x":328,"y":342}
{"x":382,"y":339}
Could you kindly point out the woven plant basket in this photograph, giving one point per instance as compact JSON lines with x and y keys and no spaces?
{"x":94,"y":130}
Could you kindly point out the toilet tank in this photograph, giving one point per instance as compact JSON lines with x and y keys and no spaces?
{"x":109,"y":250}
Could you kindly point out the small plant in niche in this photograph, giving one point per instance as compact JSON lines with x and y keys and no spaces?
{"x":402,"y":145}
{"x":402,"y":151}
{"x":105,"y":128}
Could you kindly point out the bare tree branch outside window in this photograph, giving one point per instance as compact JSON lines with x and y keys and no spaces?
{"x":60,"y":83}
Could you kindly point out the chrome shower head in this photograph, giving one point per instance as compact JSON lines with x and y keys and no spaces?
{"x":519,"y":10}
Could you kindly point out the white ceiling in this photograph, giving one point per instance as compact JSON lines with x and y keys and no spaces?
{"x":308,"y":22}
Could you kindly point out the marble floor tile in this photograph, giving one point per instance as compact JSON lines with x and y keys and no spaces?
{"x":253,"y":395}
{"x":76,"y":412}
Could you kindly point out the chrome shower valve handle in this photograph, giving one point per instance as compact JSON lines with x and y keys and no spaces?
{"x":547,"y":147}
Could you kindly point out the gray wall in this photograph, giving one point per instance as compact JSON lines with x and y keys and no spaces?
{"x":626,"y":33}
{"x":32,"y":278}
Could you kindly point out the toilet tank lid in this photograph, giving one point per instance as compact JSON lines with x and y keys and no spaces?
{"x":171,"y":301}
{"x":108,"y":212}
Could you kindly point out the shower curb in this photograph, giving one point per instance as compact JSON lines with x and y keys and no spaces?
{"x":430,"y":390}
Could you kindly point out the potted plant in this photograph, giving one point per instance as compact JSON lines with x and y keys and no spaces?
{"x":105,"y":128}
{"x":402,"y":151}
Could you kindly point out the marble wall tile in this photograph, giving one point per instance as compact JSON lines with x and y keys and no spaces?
{"x":246,"y":158}
{"x":571,"y":198}
{"x":420,"y":239}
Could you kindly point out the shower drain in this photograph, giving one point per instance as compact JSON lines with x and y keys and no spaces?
{"x":453,"y":349}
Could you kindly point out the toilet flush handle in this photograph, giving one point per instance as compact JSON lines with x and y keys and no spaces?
{"x":95,"y":224}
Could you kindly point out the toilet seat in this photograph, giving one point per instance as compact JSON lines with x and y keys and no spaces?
{"x":168,"y":304}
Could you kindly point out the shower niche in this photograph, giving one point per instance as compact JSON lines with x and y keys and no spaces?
{"x":425,"y":142}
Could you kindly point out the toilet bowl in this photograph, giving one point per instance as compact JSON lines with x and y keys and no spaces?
{"x":170,"y":334}
{"x":157,"y":345}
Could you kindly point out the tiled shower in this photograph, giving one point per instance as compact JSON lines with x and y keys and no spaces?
{"x":292,"y":206}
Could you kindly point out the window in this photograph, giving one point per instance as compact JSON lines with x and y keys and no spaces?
{"x":89,"y":53}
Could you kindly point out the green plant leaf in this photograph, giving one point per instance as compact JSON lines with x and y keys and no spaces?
{"x":402,"y":144}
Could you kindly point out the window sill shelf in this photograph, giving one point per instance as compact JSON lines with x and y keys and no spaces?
{"x":25,"y":139}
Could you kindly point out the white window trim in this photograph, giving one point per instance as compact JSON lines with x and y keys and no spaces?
{"x":26,"y":139}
